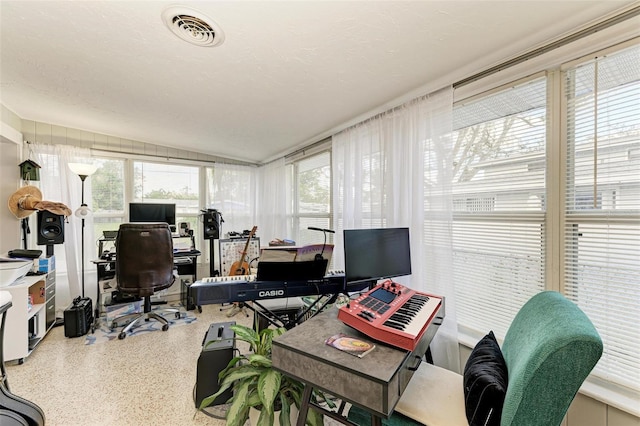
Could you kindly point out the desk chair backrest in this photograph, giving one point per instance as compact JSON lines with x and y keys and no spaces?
{"x":144,"y":258}
{"x":550,"y":348}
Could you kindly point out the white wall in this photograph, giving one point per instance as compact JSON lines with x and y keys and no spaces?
{"x":10,"y":157}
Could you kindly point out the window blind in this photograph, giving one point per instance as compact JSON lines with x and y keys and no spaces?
{"x":499,"y":204}
{"x":602,"y":205}
{"x":311,"y":198}
{"x":107,"y":196}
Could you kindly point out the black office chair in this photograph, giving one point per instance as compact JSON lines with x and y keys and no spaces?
{"x":144,"y":265}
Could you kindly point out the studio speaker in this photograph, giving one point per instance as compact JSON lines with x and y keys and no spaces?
{"x":211,"y":221}
{"x":50,"y":228}
{"x":217,"y":350}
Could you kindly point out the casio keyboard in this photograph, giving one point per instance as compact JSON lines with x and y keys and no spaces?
{"x":393,"y":314}
{"x":244,"y":288}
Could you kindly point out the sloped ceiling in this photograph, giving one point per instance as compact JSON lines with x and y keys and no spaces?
{"x":287,"y":73}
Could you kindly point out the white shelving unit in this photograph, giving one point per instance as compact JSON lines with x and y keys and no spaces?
{"x":24,"y":327}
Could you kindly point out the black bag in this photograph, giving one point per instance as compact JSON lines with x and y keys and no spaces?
{"x":78,"y":317}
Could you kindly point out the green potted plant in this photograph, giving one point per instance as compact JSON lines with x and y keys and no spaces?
{"x":257,"y":385}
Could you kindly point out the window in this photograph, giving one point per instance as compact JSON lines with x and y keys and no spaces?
{"x":179,"y":184}
{"x":602,"y":202}
{"x":498,"y":204}
{"x":107,"y":197}
{"x":309,"y":180}
{"x":232,"y":192}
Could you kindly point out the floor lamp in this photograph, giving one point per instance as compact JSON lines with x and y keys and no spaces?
{"x":83,"y":212}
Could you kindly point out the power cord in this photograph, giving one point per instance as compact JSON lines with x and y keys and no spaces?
{"x":222,"y":408}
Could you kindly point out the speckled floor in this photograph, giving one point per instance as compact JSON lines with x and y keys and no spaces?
{"x":141,"y":380}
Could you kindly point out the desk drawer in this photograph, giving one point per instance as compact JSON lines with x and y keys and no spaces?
{"x":50,"y":315}
{"x":50,"y":292}
{"x":51,"y":279}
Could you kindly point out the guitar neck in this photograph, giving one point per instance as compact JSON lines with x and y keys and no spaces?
{"x":246,"y":246}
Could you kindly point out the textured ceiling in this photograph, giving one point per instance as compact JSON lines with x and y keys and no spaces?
{"x":286,"y":74}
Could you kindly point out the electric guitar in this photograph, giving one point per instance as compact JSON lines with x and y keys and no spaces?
{"x":241,"y":267}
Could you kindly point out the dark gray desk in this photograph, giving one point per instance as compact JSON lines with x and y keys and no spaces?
{"x":374,"y":382}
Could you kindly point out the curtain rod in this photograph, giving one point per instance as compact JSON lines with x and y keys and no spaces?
{"x":308,"y":147}
{"x":631,"y":13}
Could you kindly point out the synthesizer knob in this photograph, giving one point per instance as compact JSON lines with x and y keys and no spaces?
{"x":348,"y":305}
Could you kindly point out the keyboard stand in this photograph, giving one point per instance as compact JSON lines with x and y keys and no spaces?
{"x":266,"y":310}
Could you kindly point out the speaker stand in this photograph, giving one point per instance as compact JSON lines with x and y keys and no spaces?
{"x":25,"y":231}
{"x":49,"y":250}
{"x":212,"y":258}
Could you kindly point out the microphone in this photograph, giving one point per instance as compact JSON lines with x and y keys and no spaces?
{"x":313,"y":228}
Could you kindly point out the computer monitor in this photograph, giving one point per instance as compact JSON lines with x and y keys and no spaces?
{"x":152,"y":212}
{"x":374,"y":254}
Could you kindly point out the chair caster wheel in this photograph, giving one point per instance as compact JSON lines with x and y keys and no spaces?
{"x":165,"y":327}
{"x":177,"y":315}
{"x":122,"y":335}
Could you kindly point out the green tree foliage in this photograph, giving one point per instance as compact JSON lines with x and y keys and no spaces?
{"x":108,"y":187}
{"x":314,"y":185}
{"x":162,"y":194}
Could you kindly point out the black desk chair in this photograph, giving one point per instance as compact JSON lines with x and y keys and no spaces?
{"x":144,"y":265}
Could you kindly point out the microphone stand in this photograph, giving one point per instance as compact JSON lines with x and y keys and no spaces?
{"x":320,"y":256}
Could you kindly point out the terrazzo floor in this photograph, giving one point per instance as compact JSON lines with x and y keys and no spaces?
{"x":142,"y":380}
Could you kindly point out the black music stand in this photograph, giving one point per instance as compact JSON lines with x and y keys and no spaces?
{"x":287,"y":272}
{"x":292,"y":271}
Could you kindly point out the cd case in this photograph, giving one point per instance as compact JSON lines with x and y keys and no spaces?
{"x":349,"y":344}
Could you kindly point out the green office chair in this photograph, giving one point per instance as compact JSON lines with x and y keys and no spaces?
{"x":549,"y":350}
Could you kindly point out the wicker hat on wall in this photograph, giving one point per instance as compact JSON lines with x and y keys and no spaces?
{"x":28,"y":199}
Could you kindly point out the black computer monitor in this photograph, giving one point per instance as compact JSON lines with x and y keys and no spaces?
{"x":374,"y":254}
{"x":152,"y":212}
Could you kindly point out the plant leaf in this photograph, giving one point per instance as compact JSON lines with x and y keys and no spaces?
{"x":230,"y":366}
{"x":246,"y":334}
{"x":242,"y":373}
{"x":285,"y":413}
{"x":314,"y":417}
{"x":238,"y":412}
{"x":266,"y":418}
{"x":268,"y":388}
{"x":260,"y":360}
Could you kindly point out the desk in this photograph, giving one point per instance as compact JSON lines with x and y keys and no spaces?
{"x":374,"y":382}
{"x":184,"y":261}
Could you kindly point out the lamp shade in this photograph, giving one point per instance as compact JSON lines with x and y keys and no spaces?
{"x":83,"y":169}
{"x":83,"y":212}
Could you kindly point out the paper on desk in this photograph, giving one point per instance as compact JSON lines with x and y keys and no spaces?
{"x":295,"y":254}
{"x":182,"y":244}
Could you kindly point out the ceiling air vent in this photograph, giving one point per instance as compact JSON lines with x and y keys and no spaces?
{"x":192,"y":26}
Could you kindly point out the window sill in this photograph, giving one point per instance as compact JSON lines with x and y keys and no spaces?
{"x":616,"y":396}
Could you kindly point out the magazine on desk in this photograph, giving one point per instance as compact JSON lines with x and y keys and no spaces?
{"x":349,"y":344}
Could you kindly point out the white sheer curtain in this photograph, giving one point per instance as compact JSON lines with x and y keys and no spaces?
{"x":59,"y":183}
{"x":233,"y":194}
{"x":394,"y":170}
{"x":271,"y":201}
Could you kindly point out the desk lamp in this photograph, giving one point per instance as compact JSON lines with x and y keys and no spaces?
{"x":83,"y":212}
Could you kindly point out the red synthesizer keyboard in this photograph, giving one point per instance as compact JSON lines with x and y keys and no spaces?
{"x":392,"y":313}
